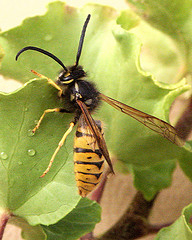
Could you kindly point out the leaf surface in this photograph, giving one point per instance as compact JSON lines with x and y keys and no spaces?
{"x":25,"y":157}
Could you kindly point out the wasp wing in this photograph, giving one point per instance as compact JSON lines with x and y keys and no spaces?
{"x":84,"y":131}
{"x":96,"y":133}
{"x":156,"y":124}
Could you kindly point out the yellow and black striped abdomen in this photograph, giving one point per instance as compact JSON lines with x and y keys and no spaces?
{"x":88,"y":160}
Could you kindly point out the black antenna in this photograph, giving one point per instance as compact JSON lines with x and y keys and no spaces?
{"x":41,"y":51}
{"x":82,"y":39}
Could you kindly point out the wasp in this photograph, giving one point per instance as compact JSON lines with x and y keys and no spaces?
{"x":83,"y":98}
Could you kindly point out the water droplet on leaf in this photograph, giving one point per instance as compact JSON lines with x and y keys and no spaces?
{"x":3,"y":155}
{"x":30,"y":133}
{"x":48,"y":37}
{"x":31,"y":152}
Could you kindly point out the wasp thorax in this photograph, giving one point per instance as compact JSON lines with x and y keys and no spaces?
{"x":84,"y":91}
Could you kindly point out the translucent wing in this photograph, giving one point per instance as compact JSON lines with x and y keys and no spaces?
{"x":156,"y":124}
{"x":85,"y":132}
{"x":96,"y":133}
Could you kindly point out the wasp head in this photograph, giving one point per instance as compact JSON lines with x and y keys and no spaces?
{"x":72,"y":74}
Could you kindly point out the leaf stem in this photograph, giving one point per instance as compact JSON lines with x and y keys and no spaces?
{"x":98,"y":193}
{"x":3,"y":222}
{"x":88,"y":236}
{"x":155,"y":228}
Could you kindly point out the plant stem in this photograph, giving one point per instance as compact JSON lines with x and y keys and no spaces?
{"x":184,"y":124}
{"x":3,"y":222}
{"x":133,"y":223}
{"x":88,"y":236}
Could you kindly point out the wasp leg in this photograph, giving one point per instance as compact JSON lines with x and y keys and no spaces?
{"x":50,"y":81}
{"x":72,"y":124}
{"x":41,"y":118}
{"x":48,"y":111}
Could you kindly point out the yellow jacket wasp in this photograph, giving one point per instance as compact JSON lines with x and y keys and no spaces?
{"x":90,"y":148}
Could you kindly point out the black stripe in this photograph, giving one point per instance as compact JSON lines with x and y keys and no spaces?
{"x":86,"y":182}
{"x":81,"y":134}
{"x":85,"y":189}
{"x":97,"y":164}
{"x":97,"y":175}
{"x":85,"y":150}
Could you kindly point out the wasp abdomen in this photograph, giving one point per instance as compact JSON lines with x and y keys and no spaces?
{"x":88,"y":160}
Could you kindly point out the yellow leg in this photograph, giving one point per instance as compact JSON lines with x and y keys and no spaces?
{"x":50,"y":81}
{"x":59,"y":146}
{"x":41,"y":118}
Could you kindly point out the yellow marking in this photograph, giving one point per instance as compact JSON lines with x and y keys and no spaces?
{"x":67,"y":74}
{"x":76,"y":87}
{"x":69,"y":81}
{"x":82,"y":157}
{"x":41,"y":118}
{"x":59,"y":146}
{"x":50,"y":81}
{"x":87,"y":178}
{"x":85,"y":142}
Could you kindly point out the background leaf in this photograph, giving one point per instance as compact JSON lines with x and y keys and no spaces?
{"x":28,"y":232}
{"x":181,"y":229}
{"x":185,"y":163}
{"x":177,"y":16}
{"x":151,"y":179}
{"x":78,"y":222}
{"x":111,"y":58}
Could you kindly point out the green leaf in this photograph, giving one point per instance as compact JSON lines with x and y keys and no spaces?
{"x":43,"y":32}
{"x":174,"y":14}
{"x":38,"y":200}
{"x":181,"y":229}
{"x":150,"y":180}
{"x":111,"y":57}
{"x":168,"y":63}
{"x":60,"y":26}
{"x":185,"y":162}
{"x":128,"y":20}
{"x":178,"y":18}
{"x":28,"y":232}
{"x":77,"y":223}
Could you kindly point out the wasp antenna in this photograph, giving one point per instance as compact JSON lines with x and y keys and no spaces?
{"x":82,"y":39}
{"x":41,"y":51}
